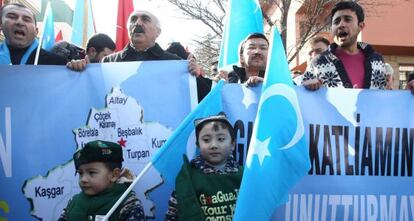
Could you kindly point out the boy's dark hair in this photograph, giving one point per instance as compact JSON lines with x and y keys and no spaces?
{"x":220,"y":121}
{"x":253,"y":35}
{"x":351,"y":5}
{"x":19,"y":6}
{"x":320,"y":39}
{"x":100,"y":41}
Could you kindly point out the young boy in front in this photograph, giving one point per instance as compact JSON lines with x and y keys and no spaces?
{"x":99,"y":166}
{"x":207,"y":187}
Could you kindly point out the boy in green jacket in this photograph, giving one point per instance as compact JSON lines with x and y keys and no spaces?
{"x":99,"y":166}
{"x":207,"y":187}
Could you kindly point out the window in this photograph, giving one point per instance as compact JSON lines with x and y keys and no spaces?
{"x":404,"y":71}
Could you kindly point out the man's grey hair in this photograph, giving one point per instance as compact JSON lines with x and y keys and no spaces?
{"x":156,"y":20}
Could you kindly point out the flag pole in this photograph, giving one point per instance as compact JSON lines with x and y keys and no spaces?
{"x":115,"y":206}
{"x":36,"y":61}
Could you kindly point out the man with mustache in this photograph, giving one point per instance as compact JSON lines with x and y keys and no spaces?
{"x":144,"y":28}
{"x":252,"y":58}
{"x":347,"y":63}
{"x":18,"y":24}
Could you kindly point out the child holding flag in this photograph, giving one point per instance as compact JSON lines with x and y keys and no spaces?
{"x":102,"y":182}
{"x":207,"y":187}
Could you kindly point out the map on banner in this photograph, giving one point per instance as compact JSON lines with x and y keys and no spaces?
{"x":360,"y":141}
{"x":50,"y":194}
{"x":121,"y":121}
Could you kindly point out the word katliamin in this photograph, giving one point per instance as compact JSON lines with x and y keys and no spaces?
{"x":360,"y":151}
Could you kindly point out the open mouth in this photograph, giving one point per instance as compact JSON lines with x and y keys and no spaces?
{"x":342,"y":34}
{"x":19,"y":33}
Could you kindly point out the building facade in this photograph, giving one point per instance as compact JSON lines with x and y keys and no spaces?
{"x":388,"y":28}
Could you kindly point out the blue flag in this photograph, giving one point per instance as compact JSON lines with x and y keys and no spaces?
{"x":243,"y":17}
{"x":168,"y":160}
{"x":83,"y":24}
{"x":278,"y":155}
{"x":48,"y":35}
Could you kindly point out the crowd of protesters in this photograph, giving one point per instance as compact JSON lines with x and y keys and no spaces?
{"x":344,"y":63}
{"x":359,"y":65}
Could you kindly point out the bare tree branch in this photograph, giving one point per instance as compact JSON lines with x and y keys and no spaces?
{"x":220,"y":5}
{"x":207,"y":51}
{"x":313,"y":19}
{"x":311,"y":24}
{"x":195,"y":9}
